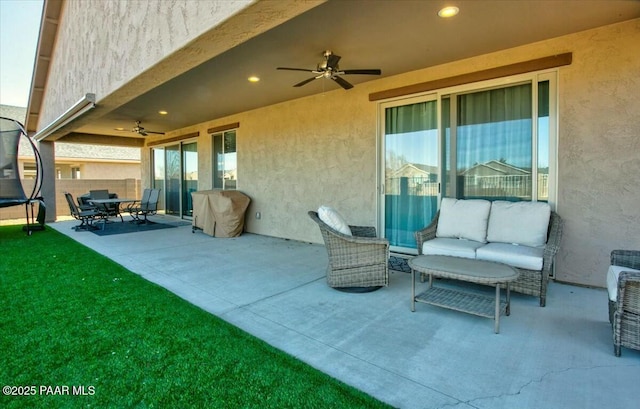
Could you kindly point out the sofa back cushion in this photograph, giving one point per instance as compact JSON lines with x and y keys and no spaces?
{"x":524,"y":223}
{"x":333,"y":219}
{"x":463,"y":219}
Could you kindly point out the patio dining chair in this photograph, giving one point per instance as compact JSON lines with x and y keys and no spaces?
{"x":108,"y":209}
{"x":623,"y":285}
{"x":147,"y":206}
{"x":358,"y":259}
{"x":86,"y":217}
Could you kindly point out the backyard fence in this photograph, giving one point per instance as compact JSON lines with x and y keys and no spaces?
{"x":515,"y":186}
{"x":126,"y":188}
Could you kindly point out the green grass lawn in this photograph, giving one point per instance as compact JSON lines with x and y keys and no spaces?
{"x":72,"y":318}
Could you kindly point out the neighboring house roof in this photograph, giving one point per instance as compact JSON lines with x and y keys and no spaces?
{"x":12,"y":112}
{"x":413,"y":169}
{"x":497,"y":168}
{"x":73,"y":150}
{"x":425,"y":168}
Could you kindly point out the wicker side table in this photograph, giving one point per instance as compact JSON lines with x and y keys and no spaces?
{"x":469,"y":270}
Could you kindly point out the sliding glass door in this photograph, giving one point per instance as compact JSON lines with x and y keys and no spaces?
{"x":175,"y":171}
{"x":189,"y":176}
{"x":411,"y":169}
{"x":477,"y":141}
{"x":159,"y":174}
{"x":172,"y":179}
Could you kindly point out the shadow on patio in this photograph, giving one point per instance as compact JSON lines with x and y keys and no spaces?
{"x":560,"y":356}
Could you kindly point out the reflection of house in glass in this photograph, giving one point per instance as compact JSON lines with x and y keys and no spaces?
{"x":498,"y":179}
{"x":231,"y":174}
{"x":492,"y":180}
{"x":413,"y":179}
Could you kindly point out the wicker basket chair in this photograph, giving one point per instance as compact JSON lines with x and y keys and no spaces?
{"x":624,"y":312}
{"x":357,"y":263}
{"x":530,"y":282}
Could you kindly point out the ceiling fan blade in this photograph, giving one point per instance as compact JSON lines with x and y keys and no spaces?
{"x":157,"y":133}
{"x":344,"y":84}
{"x":305,"y":82}
{"x":332,"y":61}
{"x":294,"y":69}
{"x":363,"y":72}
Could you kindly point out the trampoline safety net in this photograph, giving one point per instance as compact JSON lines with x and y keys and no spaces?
{"x":11,"y":188}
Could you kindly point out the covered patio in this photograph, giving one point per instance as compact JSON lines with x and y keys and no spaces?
{"x":560,"y":356}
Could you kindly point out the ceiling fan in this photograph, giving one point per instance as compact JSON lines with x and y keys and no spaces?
{"x":328,"y":68}
{"x":141,"y":131}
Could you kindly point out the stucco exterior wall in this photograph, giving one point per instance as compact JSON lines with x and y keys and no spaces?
{"x":295,"y":156}
{"x":599,"y":151}
{"x":120,"y":49}
{"x":116,"y":40}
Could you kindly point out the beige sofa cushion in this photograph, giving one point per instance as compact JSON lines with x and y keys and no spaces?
{"x":334,"y":219}
{"x":451,"y":247}
{"x":529,"y":258}
{"x":524,"y":223}
{"x":463,"y":219}
{"x":612,"y":280}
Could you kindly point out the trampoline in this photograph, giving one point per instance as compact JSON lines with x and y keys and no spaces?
{"x":11,"y":188}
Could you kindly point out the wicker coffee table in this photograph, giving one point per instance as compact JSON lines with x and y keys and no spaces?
{"x":463,"y":269}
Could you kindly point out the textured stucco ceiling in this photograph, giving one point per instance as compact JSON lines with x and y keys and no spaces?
{"x":395,"y":36}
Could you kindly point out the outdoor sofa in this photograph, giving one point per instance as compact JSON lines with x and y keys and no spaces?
{"x":524,"y":235}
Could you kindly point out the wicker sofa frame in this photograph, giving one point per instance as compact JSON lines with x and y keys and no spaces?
{"x":357,"y":261}
{"x":624,"y":314}
{"x":530,"y":282}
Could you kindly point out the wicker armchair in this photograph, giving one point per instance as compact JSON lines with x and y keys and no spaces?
{"x":357,"y":263}
{"x":624,"y":311}
{"x":530,"y":282}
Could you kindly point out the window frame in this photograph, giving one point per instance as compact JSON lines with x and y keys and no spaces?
{"x":534,"y":78}
{"x":220,"y":183}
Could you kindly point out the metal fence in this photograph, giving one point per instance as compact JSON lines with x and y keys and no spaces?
{"x":517,"y":186}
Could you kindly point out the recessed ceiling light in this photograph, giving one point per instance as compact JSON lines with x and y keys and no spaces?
{"x":448,"y":12}
{"x":253,"y":78}
{"x":119,"y":129}
{"x":163,"y":112}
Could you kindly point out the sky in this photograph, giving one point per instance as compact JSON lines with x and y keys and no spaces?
{"x":19,"y":30}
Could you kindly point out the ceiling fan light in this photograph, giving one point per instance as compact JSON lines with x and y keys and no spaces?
{"x":449,"y":11}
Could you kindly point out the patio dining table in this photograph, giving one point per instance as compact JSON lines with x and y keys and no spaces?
{"x":102,"y":203}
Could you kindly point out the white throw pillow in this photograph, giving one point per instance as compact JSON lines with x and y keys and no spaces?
{"x":463,"y":219}
{"x":523,"y":223}
{"x":334,"y":219}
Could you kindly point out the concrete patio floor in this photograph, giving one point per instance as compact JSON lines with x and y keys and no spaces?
{"x":560,"y":356}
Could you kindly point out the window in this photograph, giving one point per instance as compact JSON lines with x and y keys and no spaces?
{"x":30,"y":170}
{"x":493,"y":147}
{"x":225,"y":167}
